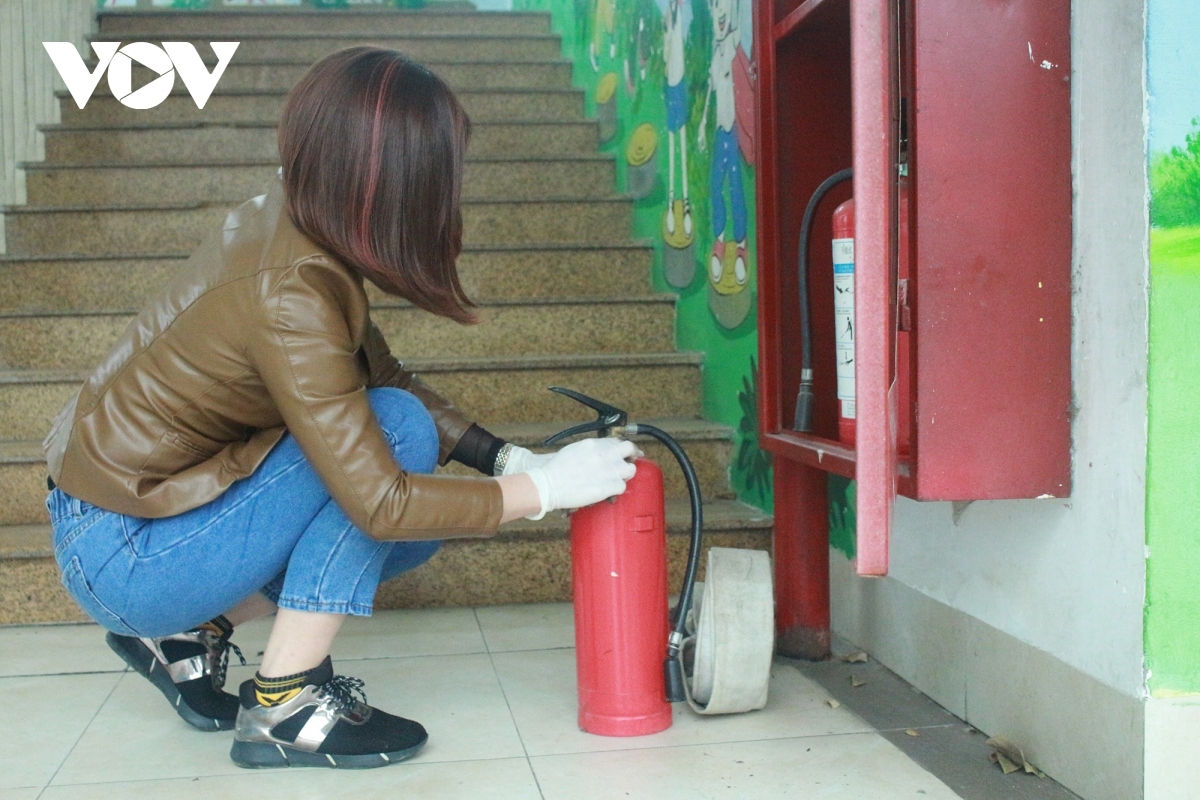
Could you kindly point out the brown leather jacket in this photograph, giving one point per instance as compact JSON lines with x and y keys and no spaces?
{"x":262,"y":331}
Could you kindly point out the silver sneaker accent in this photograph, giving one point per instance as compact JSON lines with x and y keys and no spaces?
{"x":210,"y":663}
{"x":255,"y":724}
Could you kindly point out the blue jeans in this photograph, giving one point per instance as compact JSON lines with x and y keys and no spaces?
{"x":727,"y":163}
{"x":277,"y":532}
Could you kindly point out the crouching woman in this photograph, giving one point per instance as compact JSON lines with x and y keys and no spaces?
{"x":251,"y":446}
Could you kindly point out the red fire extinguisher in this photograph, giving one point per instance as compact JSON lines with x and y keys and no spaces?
{"x":619,"y":572}
{"x":844,"y":317}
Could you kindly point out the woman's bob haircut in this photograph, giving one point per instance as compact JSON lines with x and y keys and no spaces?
{"x":372,"y":146}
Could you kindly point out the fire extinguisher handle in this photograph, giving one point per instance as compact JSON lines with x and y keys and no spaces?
{"x":608,"y":416}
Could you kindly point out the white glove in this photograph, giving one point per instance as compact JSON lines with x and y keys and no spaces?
{"x":522,"y":460}
{"x":583,"y":473}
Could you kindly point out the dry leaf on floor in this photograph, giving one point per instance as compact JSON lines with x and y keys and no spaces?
{"x":1009,"y":755}
{"x":857,"y":657}
{"x":833,"y":703}
{"x":856,"y":681}
{"x":1006,"y":766}
{"x":911,"y":732}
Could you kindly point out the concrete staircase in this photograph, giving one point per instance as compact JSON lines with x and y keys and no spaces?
{"x":124,"y":195}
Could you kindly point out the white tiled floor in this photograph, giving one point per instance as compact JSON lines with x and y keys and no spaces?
{"x":494,"y":686}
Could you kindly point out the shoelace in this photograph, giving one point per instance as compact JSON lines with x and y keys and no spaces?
{"x":341,"y":688}
{"x":223,"y":646}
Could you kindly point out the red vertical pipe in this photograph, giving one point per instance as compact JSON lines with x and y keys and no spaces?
{"x":801,"y":561}
{"x":873,"y":88}
{"x":770,"y":388}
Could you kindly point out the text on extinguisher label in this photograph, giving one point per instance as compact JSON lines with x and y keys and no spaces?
{"x":843,"y":321}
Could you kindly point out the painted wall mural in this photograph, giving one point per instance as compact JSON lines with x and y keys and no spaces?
{"x":1173,"y":380}
{"x":670,"y":83}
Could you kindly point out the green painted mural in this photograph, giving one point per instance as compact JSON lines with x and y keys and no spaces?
{"x":669,"y":82}
{"x":1172,"y":630}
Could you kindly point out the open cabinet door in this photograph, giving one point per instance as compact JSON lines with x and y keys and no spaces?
{"x":874,"y":88}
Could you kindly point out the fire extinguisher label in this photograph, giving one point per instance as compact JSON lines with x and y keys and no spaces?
{"x":843,"y":320}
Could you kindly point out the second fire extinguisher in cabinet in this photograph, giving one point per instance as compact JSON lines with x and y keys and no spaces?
{"x":844,"y":314}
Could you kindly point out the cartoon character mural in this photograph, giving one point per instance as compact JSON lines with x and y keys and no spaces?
{"x":679,"y":212}
{"x":603,"y":23}
{"x":679,"y":260}
{"x":728,"y":274}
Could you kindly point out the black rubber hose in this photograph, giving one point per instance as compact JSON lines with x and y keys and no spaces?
{"x":803,"y":417}
{"x":673,"y":667}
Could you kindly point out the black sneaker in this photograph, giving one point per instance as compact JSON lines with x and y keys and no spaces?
{"x":322,"y":726}
{"x":189,"y":669}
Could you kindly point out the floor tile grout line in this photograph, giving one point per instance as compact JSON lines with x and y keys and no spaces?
{"x":265,"y":773}
{"x":79,"y":738}
{"x":713,"y":743}
{"x":508,"y":705}
{"x":254,"y":663}
{"x":64,"y":674}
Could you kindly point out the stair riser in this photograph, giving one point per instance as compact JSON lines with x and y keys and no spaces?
{"x":226,"y":144}
{"x":153,"y":28}
{"x":81,"y":342}
{"x":104,"y":109}
{"x":462,"y":76}
{"x":24,"y":492}
{"x":31,"y":592}
{"x":155,"y":231}
{"x":419,"y":48}
{"x":474,"y":572}
{"x":92,"y":286}
{"x":464,"y":572}
{"x":492,"y":397}
{"x":232,"y":184}
{"x":710,"y":457}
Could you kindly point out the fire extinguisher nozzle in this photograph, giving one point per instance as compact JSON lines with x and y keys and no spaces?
{"x":673,"y":672}
{"x":802,"y":422}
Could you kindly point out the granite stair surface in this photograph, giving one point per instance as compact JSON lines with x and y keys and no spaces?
{"x":563,"y":289}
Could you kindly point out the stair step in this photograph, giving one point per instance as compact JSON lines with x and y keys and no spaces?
{"x":542,"y":327}
{"x":491,"y":105}
{"x":311,"y":46}
{"x":190,"y":143}
{"x":157,"y":26}
{"x":281,"y":75}
{"x":91,"y":285}
{"x":491,"y":390}
{"x":25,"y":541}
{"x":101,"y":230}
{"x":23,"y":482}
{"x":527,"y":562}
{"x":48,"y":184}
{"x":23,"y":469}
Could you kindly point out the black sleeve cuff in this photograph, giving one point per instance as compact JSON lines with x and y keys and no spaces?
{"x":478,"y":449}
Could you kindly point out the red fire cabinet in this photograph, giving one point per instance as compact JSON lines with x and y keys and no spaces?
{"x":963,"y":307}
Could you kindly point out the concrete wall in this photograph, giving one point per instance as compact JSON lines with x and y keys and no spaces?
{"x":1026,"y":617}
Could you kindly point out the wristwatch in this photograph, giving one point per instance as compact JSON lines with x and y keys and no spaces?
{"x":502,"y":458}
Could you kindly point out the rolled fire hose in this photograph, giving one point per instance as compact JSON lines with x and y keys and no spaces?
{"x":732,"y":633}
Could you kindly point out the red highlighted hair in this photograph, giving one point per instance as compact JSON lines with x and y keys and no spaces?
{"x":372,"y":146}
